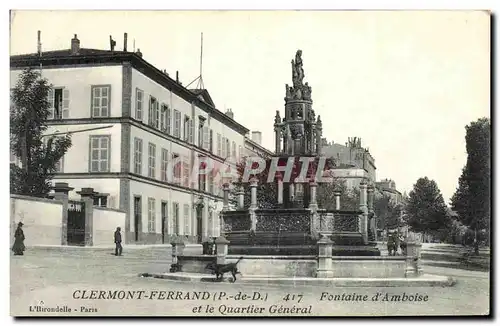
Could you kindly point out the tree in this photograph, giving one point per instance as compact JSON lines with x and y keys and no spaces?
{"x":39,"y":155}
{"x":426,"y":210}
{"x":472,"y":198}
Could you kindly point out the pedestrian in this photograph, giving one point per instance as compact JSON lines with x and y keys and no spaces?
{"x":118,"y":242}
{"x":18,"y":248}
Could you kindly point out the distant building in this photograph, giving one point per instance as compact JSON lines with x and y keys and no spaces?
{"x":353,"y":162}
{"x":388,"y":188}
{"x":253,"y":146}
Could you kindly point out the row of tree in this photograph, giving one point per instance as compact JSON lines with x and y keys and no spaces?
{"x":468,"y":220}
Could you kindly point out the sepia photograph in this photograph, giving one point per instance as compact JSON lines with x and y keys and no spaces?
{"x":230,"y":163}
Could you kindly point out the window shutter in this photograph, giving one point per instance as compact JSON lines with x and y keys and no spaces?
{"x":205,"y":138}
{"x":186,"y":219}
{"x":51,"y":103}
{"x":191,"y":131}
{"x":65,"y":106}
{"x":211,"y":141}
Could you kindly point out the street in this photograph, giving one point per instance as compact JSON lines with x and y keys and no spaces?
{"x":49,"y":278}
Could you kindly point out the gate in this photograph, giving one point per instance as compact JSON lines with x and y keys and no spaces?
{"x":76,"y":223}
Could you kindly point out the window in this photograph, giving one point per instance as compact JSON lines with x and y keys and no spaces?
{"x":164,"y":217}
{"x":201,"y":133}
{"x":228,"y":148}
{"x":151,"y":160}
{"x":186,"y":128}
{"x":163,"y":118}
{"x":177,"y":169}
{"x":101,"y":96}
{"x":154,"y":113}
{"x":240,"y":152}
{"x":138,"y":155}
{"x":168,"y":120}
{"x":186,"y":219}
{"x":99,"y":153}
{"x":101,"y":201}
{"x":233,"y":152}
{"x":139,"y":103}
{"x":151,"y":215}
{"x":59,"y":103}
{"x":202,"y":177}
{"x":177,"y":124}
{"x":164,"y":165}
{"x":211,"y":141}
{"x":219,"y":144}
{"x":175,"y":221}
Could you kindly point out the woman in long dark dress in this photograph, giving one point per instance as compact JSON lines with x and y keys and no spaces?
{"x":18,"y":247}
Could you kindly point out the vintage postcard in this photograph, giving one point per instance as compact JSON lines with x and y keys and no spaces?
{"x":250,"y":163}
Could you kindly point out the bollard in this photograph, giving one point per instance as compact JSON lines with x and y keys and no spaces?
{"x":324,"y":257}
{"x":222,"y":246}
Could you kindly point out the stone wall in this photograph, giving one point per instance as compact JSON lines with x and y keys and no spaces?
{"x":105,"y":222}
{"x":42,"y":220}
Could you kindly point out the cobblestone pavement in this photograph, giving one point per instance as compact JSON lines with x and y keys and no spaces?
{"x":50,"y":278}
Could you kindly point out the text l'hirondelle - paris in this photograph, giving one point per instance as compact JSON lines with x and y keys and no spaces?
{"x":164,"y":295}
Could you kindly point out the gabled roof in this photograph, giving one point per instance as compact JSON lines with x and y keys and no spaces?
{"x":204,"y":95}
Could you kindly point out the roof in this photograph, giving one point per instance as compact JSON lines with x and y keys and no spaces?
{"x":88,"y":56}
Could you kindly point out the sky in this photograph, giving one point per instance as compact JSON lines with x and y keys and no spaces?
{"x":406,"y":82}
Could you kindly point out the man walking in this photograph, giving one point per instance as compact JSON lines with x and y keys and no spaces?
{"x":118,"y":242}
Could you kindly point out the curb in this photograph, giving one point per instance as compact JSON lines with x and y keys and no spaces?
{"x":434,"y":281}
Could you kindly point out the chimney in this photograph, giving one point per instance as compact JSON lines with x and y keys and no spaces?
{"x":139,"y":53}
{"x":257,"y":137}
{"x":125,"y":42}
{"x":112,"y":43}
{"x":230,"y":113}
{"x":177,"y":76}
{"x":75,"y":45}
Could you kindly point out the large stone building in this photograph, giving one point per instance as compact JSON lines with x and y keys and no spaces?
{"x":353,"y":162}
{"x":135,"y":120}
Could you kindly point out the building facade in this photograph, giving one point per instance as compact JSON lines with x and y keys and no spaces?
{"x":128,"y":121}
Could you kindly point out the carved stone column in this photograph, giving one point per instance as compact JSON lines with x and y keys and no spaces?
{"x":61,"y":191}
{"x":241,"y":198}
{"x":324,"y":258}
{"x":313,"y":204}
{"x":280,"y":192}
{"x":363,"y":221}
{"x":337,"y":194}
{"x":222,"y":245}
{"x":225,"y":200}
{"x":253,"y":203}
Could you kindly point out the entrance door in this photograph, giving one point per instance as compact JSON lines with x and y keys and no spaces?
{"x":199,"y":223}
{"x":137,"y":216}
{"x":164,"y":221}
{"x":76,"y":223}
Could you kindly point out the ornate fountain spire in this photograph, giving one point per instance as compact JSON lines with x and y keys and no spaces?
{"x":299,"y":91}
